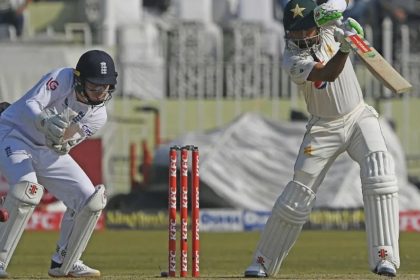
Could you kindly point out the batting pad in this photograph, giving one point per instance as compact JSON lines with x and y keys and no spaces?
{"x":20,"y":202}
{"x":84,"y":225}
{"x":380,"y":197}
{"x":289,"y":213}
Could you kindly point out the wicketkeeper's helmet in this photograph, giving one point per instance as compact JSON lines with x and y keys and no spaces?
{"x":96,"y":67}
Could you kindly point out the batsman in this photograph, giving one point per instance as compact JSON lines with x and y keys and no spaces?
{"x":316,"y":58}
{"x":36,"y":134}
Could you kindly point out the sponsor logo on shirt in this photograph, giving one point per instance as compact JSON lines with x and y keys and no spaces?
{"x":8,"y":151}
{"x":88,"y":132}
{"x":52,"y":84}
{"x":79,"y":116}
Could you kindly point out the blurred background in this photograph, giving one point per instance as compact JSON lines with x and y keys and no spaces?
{"x":208,"y":73}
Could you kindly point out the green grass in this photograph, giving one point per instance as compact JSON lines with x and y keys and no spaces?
{"x":142,"y":255}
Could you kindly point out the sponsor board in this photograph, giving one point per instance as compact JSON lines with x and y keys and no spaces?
{"x":336,"y":219}
{"x":410,"y":221}
{"x":221,"y":220}
{"x":47,"y":221}
{"x":236,"y":220}
{"x":154,"y":219}
{"x":255,"y":220}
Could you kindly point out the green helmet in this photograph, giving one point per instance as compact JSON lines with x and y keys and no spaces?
{"x":299,"y":15}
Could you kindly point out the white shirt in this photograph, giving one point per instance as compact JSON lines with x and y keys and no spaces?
{"x":54,"y":90}
{"x":325,"y":99}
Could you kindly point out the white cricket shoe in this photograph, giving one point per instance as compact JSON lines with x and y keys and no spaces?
{"x":386,"y":268}
{"x":78,"y":270}
{"x":3,"y":273}
{"x":255,"y":270}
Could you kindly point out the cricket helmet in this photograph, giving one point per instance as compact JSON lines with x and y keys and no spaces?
{"x":299,"y":15}
{"x":96,"y":67}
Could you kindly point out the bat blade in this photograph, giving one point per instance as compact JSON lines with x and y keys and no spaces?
{"x":378,"y":65}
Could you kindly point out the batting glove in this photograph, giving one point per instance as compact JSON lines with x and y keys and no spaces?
{"x":327,"y":14}
{"x":349,"y":27}
{"x":52,"y":125}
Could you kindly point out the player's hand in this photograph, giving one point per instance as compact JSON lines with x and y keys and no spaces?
{"x":327,"y":14}
{"x":52,"y":124}
{"x":349,"y":27}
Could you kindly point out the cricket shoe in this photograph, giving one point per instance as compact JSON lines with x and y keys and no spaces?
{"x":255,"y":270}
{"x":78,"y":270}
{"x":386,"y":268}
{"x":3,"y":273}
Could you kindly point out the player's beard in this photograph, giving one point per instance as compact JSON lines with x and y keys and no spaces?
{"x":303,"y":47}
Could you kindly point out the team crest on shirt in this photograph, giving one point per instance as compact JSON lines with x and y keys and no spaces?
{"x":308,"y":150}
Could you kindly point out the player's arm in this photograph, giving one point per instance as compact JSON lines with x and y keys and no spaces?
{"x":330,"y":71}
{"x":48,"y":90}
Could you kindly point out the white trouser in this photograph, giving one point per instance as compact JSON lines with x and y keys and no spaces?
{"x":60,"y":175}
{"x":358,"y":133}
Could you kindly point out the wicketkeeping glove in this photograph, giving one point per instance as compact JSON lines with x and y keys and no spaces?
{"x":64,"y":148}
{"x":52,"y":125}
{"x":349,"y":27}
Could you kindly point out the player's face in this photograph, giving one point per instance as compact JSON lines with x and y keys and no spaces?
{"x":304,"y":39}
{"x":97,"y":93}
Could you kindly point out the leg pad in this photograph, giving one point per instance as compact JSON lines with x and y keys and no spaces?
{"x":85,"y":223}
{"x":21,"y":201}
{"x":289,"y":213}
{"x":380,"y":197}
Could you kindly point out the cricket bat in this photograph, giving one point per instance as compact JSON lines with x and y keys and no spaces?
{"x":377,"y":65}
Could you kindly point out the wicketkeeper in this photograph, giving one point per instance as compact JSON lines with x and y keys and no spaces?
{"x":36,"y":133}
{"x":317,"y":59}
